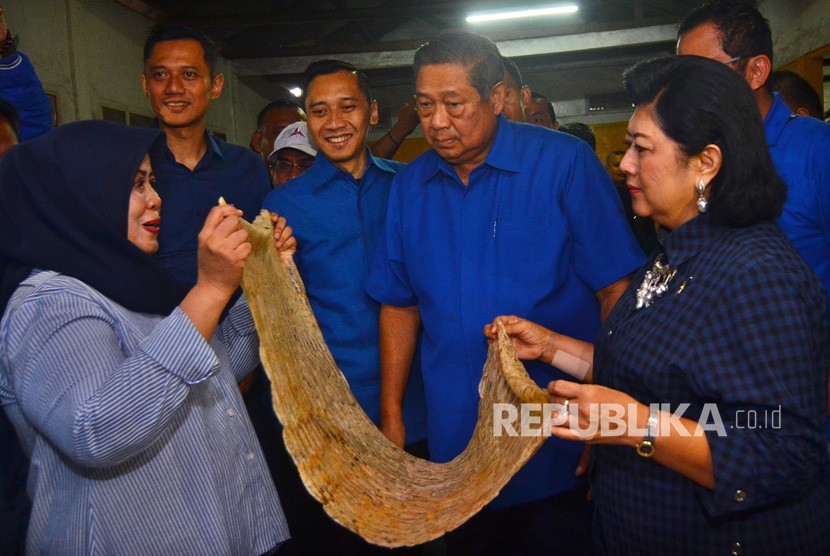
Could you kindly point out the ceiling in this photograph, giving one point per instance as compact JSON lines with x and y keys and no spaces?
{"x":576,"y":60}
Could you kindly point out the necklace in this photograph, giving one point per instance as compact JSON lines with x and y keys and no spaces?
{"x":655,"y":283}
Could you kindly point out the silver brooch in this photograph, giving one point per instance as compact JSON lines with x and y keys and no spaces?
{"x":655,"y":283}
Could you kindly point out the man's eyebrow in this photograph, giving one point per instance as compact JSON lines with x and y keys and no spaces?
{"x":165,"y":66}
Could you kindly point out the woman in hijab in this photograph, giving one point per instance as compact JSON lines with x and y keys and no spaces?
{"x":710,"y":374}
{"x":122,"y":385}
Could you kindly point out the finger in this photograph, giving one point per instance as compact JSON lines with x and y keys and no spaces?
{"x":287,"y":244}
{"x":566,"y":433}
{"x":515,"y":326}
{"x":236,"y":238}
{"x":243,"y":251}
{"x":231,"y":223}
{"x":219,"y":213}
{"x":285,"y":233}
{"x":279,"y":225}
{"x":565,"y":389}
{"x":506,"y":320}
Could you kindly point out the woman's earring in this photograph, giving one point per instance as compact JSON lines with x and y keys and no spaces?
{"x":702,"y":203}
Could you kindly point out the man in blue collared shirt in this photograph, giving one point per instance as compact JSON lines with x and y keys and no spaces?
{"x":194,"y":169}
{"x":496,"y":218}
{"x":739,"y":36}
{"x":337,"y":210}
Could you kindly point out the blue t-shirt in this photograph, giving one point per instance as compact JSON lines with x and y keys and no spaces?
{"x":538,"y":230}
{"x":187,"y":197}
{"x":337,"y":221}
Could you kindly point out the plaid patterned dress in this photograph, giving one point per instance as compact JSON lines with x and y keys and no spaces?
{"x":743,"y":326}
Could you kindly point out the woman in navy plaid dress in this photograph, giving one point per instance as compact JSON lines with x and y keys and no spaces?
{"x":705,"y":392}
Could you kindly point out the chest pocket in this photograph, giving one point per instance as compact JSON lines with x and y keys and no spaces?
{"x":532,"y":252}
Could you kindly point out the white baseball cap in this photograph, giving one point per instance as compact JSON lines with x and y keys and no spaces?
{"x":294,"y":136}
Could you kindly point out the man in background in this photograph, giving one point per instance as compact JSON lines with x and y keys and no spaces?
{"x":736,"y":34}
{"x":582,"y":131}
{"x":270,"y":121}
{"x":293,"y":154}
{"x":21,"y":87}
{"x":540,"y":111}
{"x":517,"y":94}
{"x":797,"y":94}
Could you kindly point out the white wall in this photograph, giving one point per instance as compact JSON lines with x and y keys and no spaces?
{"x":89,"y":53}
{"x":798,"y":27}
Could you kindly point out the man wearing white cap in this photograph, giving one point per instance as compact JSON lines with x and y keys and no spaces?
{"x":293,"y":154}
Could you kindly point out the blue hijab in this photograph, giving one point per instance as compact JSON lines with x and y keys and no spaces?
{"x":64,"y":199}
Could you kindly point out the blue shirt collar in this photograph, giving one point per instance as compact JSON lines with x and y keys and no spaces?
{"x":323,"y":171}
{"x":212,"y":146}
{"x":777,"y":117}
{"x":502,"y":155}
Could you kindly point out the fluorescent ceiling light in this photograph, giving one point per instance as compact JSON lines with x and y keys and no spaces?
{"x":530,"y":12}
{"x":296,"y":91}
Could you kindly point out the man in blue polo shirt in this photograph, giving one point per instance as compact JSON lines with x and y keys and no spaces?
{"x":194,"y":168}
{"x":497,"y":218}
{"x":337,"y":210}
{"x":739,"y":36}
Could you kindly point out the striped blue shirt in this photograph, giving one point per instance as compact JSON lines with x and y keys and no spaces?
{"x":138,"y":436}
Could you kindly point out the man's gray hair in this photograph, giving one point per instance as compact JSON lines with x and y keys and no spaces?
{"x":475,"y":52}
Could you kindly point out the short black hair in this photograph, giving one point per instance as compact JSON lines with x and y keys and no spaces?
{"x":328,"y":67}
{"x":744,"y":31}
{"x":162,"y":33}
{"x":613,"y":153}
{"x":9,"y":113}
{"x":277,"y":104}
{"x":697,"y":102}
{"x":539,"y":97}
{"x":578,"y":129}
{"x":796,"y":92}
{"x":511,"y":69}
{"x":478,"y":54}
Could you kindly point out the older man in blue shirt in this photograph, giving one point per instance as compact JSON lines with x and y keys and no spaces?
{"x":496,"y":218}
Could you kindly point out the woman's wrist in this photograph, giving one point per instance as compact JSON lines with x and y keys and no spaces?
{"x":550,"y":349}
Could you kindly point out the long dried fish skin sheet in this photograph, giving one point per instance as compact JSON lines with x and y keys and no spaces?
{"x":363,"y":481}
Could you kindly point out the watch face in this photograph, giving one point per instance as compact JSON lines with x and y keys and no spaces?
{"x":646,"y":449}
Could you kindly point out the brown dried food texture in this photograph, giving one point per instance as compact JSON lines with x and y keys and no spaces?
{"x":364,"y":482}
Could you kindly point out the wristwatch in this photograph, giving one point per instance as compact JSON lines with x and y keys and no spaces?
{"x":646,"y":447}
